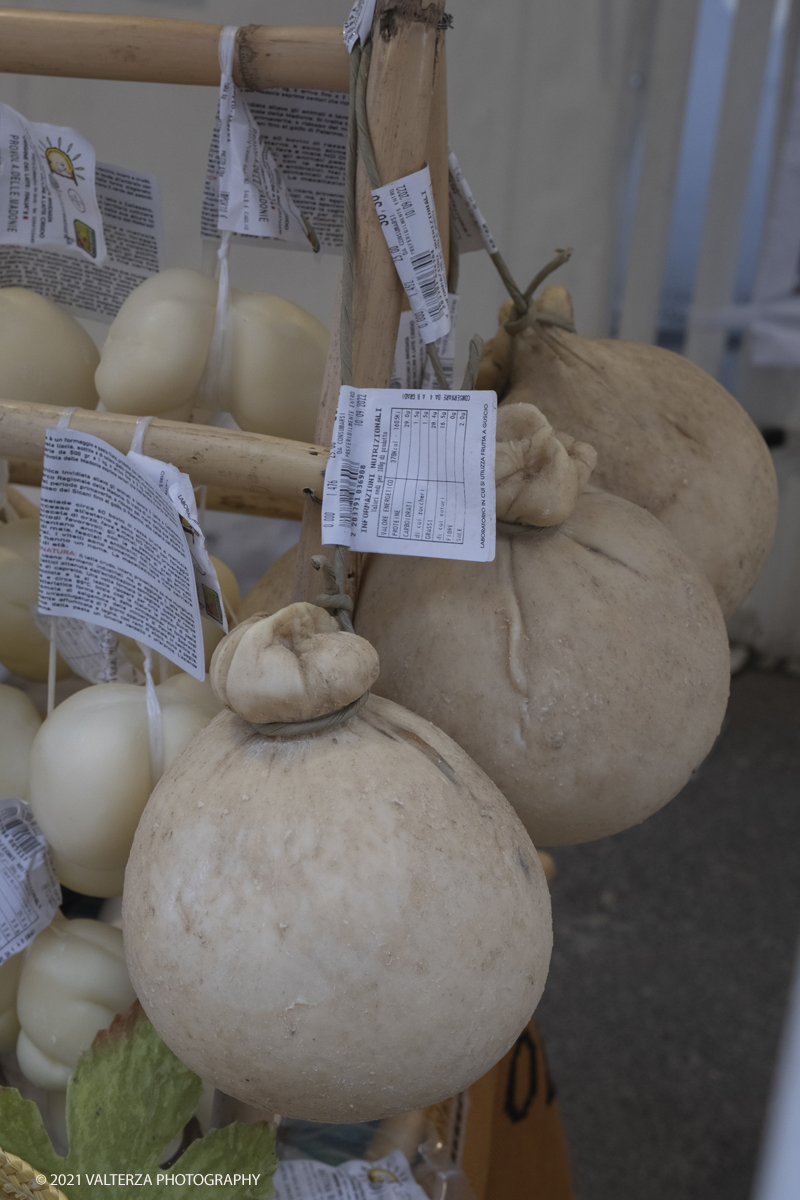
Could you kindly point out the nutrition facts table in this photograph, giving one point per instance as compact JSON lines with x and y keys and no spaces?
{"x":424,"y":496}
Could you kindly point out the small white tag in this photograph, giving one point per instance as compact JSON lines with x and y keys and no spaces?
{"x":112,"y":550}
{"x":471,"y":230}
{"x":178,"y":487}
{"x":359,"y":24}
{"x":407,"y":215}
{"x":252,"y":192}
{"x":130,"y":207}
{"x":412,"y":366}
{"x":412,"y":473}
{"x":47,"y":195}
{"x":389,"y":1178}
{"x":93,"y":652}
{"x":29,"y":889}
{"x":306,"y":131}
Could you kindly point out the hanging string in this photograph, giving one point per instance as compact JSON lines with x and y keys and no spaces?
{"x":155,"y":728}
{"x":334,"y":598}
{"x":52,"y":663}
{"x":140,"y":429}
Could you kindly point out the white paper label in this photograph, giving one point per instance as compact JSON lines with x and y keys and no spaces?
{"x":252,"y":196}
{"x":306,"y":131}
{"x":412,"y":473}
{"x":407,"y":215}
{"x":47,"y":195}
{"x":178,"y":488}
{"x":359,"y":24}
{"x":389,"y":1178}
{"x":471,"y":230}
{"x":92,"y":652}
{"x":130,"y":207}
{"x":29,"y":890}
{"x":412,"y":367}
{"x":112,"y":550}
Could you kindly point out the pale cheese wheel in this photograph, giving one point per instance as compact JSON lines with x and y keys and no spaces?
{"x":19,"y":724}
{"x":46,"y":356}
{"x":73,"y":983}
{"x":90,"y":773}
{"x":23,"y":647}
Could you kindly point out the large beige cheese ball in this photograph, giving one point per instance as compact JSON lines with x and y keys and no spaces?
{"x":46,"y":356}
{"x":19,"y":724}
{"x":339,"y":925}
{"x":156,"y":350}
{"x":73,"y":983}
{"x":23,"y":647}
{"x":668,"y":437}
{"x":586,"y":669}
{"x":90,"y":773}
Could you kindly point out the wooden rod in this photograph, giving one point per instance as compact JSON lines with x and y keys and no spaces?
{"x":399,"y":100}
{"x":161,"y":50}
{"x":230,"y":460}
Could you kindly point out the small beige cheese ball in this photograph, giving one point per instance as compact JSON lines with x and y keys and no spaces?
{"x":10,"y":972}
{"x":23,"y":647}
{"x":156,"y":351}
{"x":73,"y":983}
{"x":19,"y":724}
{"x":90,"y":773}
{"x":46,"y":356}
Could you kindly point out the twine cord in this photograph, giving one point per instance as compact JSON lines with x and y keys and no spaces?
{"x":293,"y":729}
{"x":334,"y":599}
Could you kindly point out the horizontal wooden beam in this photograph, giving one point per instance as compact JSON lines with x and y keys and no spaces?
{"x":247,"y":472}
{"x":161,"y":50}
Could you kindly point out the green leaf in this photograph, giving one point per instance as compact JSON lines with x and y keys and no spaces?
{"x":129,"y":1097}
{"x":23,"y":1133}
{"x":127,"y":1100}
{"x":237,"y":1150}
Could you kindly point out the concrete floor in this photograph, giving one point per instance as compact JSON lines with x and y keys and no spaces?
{"x":674,"y":945}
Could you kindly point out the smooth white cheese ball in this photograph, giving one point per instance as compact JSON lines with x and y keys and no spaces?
{"x":19,"y":724}
{"x":73,"y":983}
{"x":9,"y":981}
{"x":46,"y":357}
{"x":23,"y":648}
{"x":157,"y":346}
{"x":90,"y":773}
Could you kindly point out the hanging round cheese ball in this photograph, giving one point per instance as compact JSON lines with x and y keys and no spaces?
{"x":90,"y":773}
{"x":23,"y":647}
{"x":668,"y":437}
{"x":336,"y":919}
{"x":73,"y":983}
{"x":46,"y":356}
{"x":586,"y":669}
{"x":156,"y":350}
{"x":19,"y":724}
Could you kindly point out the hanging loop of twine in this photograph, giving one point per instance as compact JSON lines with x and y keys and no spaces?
{"x":334,"y":599}
{"x":527,"y":313}
{"x":293,"y":729}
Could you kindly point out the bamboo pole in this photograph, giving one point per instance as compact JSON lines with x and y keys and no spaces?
{"x":230,"y":460}
{"x":161,"y":50}
{"x":399,"y":102}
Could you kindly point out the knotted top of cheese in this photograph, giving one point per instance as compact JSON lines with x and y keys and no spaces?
{"x":296,"y":665}
{"x":539,"y":471}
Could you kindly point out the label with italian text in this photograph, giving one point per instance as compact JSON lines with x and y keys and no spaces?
{"x":389,"y":1178}
{"x":469,"y":224}
{"x":29,"y":890}
{"x":412,"y":472}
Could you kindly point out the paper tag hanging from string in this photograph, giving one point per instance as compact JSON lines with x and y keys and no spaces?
{"x":252,"y":192}
{"x":407,"y":215}
{"x":47,"y":188}
{"x":29,"y":889}
{"x":412,"y":367}
{"x":412,"y":473}
{"x":469,"y":224}
{"x":359,"y":24}
{"x":91,"y":651}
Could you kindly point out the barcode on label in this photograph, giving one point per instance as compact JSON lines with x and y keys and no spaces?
{"x":19,"y":838}
{"x":424,"y":266}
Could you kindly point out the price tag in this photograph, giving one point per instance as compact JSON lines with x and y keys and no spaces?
{"x":92,"y":652}
{"x":407,"y":215}
{"x":471,"y":229}
{"x":47,"y":187}
{"x":29,"y":890}
{"x":389,"y":1178}
{"x":113,"y":550}
{"x":412,"y":367}
{"x":412,"y":472}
